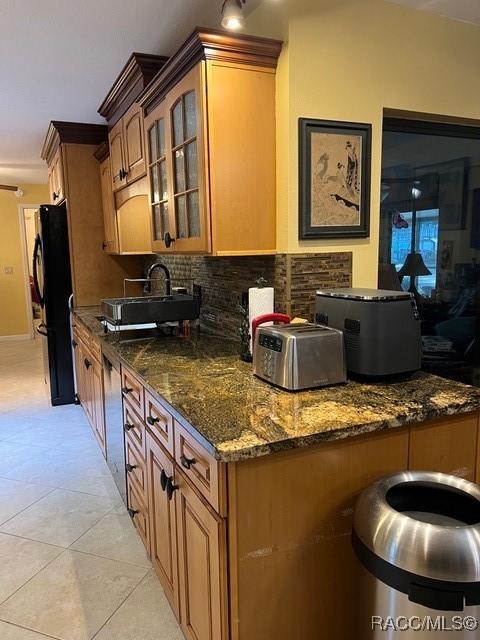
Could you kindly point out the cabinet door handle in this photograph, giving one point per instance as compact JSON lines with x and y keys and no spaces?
{"x":132,"y":512}
{"x":87,"y":363}
{"x":54,"y":196}
{"x":130,"y":467}
{"x":128,"y":426}
{"x":167,"y":238}
{"x":163,"y":480}
{"x":170,"y":488}
{"x":151,"y":421}
{"x":126,"y":390}
{"x":187,"y":462}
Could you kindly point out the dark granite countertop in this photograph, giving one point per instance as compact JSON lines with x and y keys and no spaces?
{"x":239,"y":416}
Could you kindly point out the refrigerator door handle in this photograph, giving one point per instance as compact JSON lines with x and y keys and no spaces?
{"x":36,"y":249}
{"x":41,"y":326}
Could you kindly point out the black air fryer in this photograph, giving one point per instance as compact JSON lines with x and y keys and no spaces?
{"x":381,"y":329}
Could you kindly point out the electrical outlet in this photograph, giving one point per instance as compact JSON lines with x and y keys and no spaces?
{"x":8,"y":271}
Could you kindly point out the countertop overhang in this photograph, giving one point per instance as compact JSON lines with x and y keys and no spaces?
{"x":238,"y":416}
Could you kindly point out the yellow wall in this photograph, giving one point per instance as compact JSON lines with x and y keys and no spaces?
{"x":13,"y":307}
{"x":350,"y":60}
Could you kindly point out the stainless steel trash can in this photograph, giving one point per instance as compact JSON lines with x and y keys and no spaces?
{"x":417,"y":538}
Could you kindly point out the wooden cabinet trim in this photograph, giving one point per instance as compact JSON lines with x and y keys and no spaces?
{"x":212,"y":44}
{"x":207,"y":474}
{"x":136,"y":471}
{"x":132,"y":389}
{"x":160,"y":422}
{"x":134,"y":427}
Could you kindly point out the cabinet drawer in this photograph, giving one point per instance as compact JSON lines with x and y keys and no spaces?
{"x":96,"y":348}
{"x":139,"y":513}
{"x":133,"y":390}
{"x":134,"y":427}
{"x":81,"y":333}
{"x":160,"y":422}
{"x":201,"y":468}
{"x":135,"y":468}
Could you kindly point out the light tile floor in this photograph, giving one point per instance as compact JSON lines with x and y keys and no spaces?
{"x":72,"y":566}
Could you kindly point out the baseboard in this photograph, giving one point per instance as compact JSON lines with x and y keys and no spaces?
{"x":22,"y":336}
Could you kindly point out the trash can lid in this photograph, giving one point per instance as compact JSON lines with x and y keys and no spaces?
{"x":425,"y":523}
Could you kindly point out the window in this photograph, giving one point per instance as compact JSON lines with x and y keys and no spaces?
{"x":430,"y":237}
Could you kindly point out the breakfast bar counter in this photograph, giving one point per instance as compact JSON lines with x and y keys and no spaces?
{"x":239,"y":416}
{"x":244,"y":494}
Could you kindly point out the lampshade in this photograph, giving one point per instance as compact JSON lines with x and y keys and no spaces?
{"x":414,"y":266}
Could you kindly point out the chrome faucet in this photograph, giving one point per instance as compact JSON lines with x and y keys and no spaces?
{"x":147,"y":287}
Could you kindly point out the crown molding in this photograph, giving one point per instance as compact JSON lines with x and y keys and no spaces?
{"x":138,"y":71}
{"x":102,"y":152}
{"x":209,"y":44}
{"x":71,"y":132}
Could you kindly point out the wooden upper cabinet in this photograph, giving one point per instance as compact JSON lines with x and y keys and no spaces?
{"x":160,"y":207}
{"x":109,"y":215}
{"x":134,"y":143}
{"x":127,"y":150}
{"x":210,"y":139}
{"x":133,"y":219}
{"x":125,"y":117}
{"x":55,"y":178}
{"x":117,"y":156}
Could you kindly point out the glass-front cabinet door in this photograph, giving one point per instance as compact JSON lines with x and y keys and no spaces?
{"x":176,"y":158}
{"x":163,"y":231}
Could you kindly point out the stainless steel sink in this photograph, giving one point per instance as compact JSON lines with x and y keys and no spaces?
{"x":143,"y":310}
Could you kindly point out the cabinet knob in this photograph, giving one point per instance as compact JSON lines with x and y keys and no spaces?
{"x":74,"y":344}
{"x":87,"y":363}
{"x":128,"y":426}
{"x":126,"y":390}
{"x":132,"y":512}
{"x":130,"y":467}
{"x":104,"y":245}
{"x":187,"y":462}
{"x":167,"y":238}
{"x":151,"y":420}
{"x":163,"y":480}
{"x":54,"y":196}
{"x":170,"y":488}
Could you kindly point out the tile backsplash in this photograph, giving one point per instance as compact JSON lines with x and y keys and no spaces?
{"x":295,"y":278}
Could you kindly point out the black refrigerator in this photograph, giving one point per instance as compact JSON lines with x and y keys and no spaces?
{"x":53,"y":285}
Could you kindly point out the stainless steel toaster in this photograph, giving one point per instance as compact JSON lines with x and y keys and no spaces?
{"x":299,"y":356}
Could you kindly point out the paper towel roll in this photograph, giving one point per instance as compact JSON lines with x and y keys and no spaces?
{"x":260,"y":302}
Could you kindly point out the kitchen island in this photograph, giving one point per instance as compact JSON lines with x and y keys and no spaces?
{"x":249,"y":524}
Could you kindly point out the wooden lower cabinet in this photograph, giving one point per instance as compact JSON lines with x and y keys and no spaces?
{"x":448,"y":446}
{"x":98,"y":404}
{"x":90,"y":389}
{"x":163,"y":529}
{"x":138,"y":512}
{"x":202,"y":566}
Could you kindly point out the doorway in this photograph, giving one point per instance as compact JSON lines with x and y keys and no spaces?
{"x":27,"y":223}
{"x":430,"y":237}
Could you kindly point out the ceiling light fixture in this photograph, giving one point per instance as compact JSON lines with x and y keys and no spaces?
{"x":232,"y":14}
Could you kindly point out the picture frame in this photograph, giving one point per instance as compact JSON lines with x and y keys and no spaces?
{"x":334,"y":179}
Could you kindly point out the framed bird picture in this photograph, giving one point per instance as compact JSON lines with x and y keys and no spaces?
{"x":334,"y":179}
